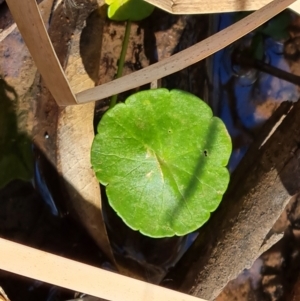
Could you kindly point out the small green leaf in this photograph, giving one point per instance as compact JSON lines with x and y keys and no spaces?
{"x":162,"y":158}
{"x":133,"y":10}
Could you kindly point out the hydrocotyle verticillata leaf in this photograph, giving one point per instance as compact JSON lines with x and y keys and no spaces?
{"x":133,"y":10}
{"x":162,"y":157}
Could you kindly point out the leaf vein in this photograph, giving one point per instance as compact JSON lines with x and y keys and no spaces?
{"x":201,"y":182}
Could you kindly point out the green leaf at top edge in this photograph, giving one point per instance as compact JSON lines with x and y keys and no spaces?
{"x":133,"y":10}
{"x":162,"y":157}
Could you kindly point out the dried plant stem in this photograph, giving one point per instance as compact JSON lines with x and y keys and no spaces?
{"x":46,"y":267}
{"x":213,"y":6}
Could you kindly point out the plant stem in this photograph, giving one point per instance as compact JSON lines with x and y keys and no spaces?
{"x":114,"y":98}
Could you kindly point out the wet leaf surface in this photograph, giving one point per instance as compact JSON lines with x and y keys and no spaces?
{"x":162,"y":157}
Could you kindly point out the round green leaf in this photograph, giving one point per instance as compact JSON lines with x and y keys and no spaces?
{"x":162,"y":157}
{"x":133,"y":10}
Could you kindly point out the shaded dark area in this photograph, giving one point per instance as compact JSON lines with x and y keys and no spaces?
{"x":47,"y":185}
{"x":26,"y":217}
{"x":158,"y":21}
{"x":91,"y":42}
{"x":193,"y":79}
{"x":15,"y":147}
{"x":146,"y":257}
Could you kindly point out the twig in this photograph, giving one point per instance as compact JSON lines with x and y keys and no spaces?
{"x":266,"y":68}
{"x":213,"y":6}
{"x":32,"y":263}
